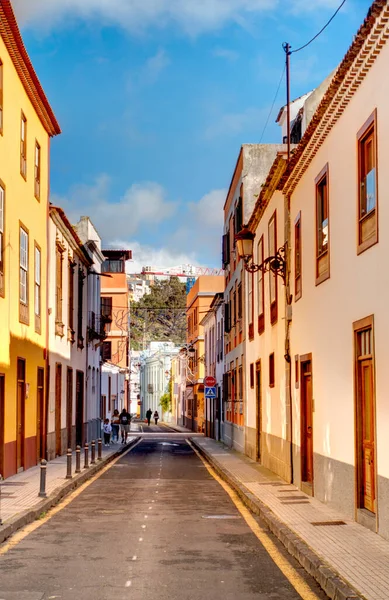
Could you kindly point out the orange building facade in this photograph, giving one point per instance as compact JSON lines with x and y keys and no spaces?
{"x":114,"y":308}
{"x":198,"y":303}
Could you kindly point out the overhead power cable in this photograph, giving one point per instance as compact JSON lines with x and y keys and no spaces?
{"x":321,"y":30}
{"x":272,"y":106}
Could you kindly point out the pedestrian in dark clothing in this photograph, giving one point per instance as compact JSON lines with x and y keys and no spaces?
{"x":156,"y":417}
{"x":125,"y":420}
{"x":148,"y":416}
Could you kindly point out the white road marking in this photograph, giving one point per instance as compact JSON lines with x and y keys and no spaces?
{"x":143,"y":526}
{"x":134,"y":557}
{"x":128,"y":583}
{"x":141,"y":539}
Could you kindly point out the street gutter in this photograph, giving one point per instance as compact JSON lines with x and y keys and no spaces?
{"x":328,"y":578}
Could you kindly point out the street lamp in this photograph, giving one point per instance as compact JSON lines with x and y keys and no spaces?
{"x":245,"y":246}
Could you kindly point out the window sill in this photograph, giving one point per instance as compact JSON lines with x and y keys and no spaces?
{"x":367,"y":244}
{"x":323,"y":277}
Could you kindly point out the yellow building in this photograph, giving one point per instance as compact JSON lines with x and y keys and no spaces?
{"x":26,"y":125}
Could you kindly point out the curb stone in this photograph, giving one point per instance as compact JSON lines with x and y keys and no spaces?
{"x":328,"y":578}
{"x":32,"y":514}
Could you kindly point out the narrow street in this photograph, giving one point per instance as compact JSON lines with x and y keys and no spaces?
{"x":155,"y":525}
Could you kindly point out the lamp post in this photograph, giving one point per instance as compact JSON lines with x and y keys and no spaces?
{"x":245,"y":246}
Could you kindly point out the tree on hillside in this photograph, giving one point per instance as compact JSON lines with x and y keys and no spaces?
{"x":160,"y":315}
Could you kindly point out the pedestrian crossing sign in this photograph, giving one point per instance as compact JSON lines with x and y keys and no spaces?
{"x":210,"y":392}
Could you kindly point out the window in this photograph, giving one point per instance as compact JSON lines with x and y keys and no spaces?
{"x":250,"y":306}
{"x":23,"y":146}
{"x":23,"y":266}
{"x":261,"y":289}
{"x":272,"y":232}
{"x":80,"y":308}
{"x":107,"y":350}
{"x":37,"y":289}
{"x":367,"y":176}
{"x":23,"y":276}
{"x":252,"y":375}
{"x":240,"y":372}
{"x":112,"y":266}
{"x":2,"y":238}
{"x":271,"y":370}
{"x":37,"y":171}
{"x":106,"y":307}
{"x":322,"y":227}
{"x":226,"y":250}
{"x":1,"y":97}
{"x":297,"y":258}
{"x":58,"y":291}
{"x":71,"y":266}
{"x":240,"y":307}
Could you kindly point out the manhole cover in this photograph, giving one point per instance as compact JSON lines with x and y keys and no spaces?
{"x":221,"y":517}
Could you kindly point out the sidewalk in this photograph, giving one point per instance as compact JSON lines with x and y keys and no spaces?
{"x":347,"y":560}
{"x":19,"y":500}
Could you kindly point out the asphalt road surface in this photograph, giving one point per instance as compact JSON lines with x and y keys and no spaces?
{"x":154,"y":526}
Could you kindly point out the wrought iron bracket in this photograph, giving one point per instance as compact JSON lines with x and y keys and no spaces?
{"x":275,"y":264}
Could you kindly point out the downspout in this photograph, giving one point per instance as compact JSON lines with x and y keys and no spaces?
{"x":46,"y":351}
{"x":288,"y":321}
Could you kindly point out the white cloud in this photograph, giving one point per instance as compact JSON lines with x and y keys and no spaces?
{"x":154,"y":66}
{"x":142,"y":204}
{"x":229,"y":55}
{"x":142,"y":207}
{"x":146,"y":255}
{"x":193,"y":16}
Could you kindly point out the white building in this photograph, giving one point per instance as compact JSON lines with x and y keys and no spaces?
{"x":95,"y":329}
{"x":113,"y":380}
{"x":67,"y":307}
{"x":155,"y":375}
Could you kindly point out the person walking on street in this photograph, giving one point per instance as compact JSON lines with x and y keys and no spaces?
{"x":148,"y":416}
{"x":115,"y":421}
{"x":156,"y":417}
{"x":107,"y":432}
{"x":125,"y":420}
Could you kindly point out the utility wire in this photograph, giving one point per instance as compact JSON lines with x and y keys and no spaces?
{"x":272,"y":106}
{"x":321,"y":30}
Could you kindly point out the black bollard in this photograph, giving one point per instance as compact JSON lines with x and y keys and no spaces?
{"x":99,"y":449}
{"x":78,"y":459}
{"x":86,"y":457}
{"x":42,"y":491}
{"x":93,"y":452}
{"x":69,"y":464}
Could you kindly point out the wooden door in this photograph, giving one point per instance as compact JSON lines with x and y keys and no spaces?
{"x":20,"y":413}
{"x":40,"y":415}
{"x":79,"y":408}
{"x":69,"y":406}
{"x":368,"y":434}
{"x":306,"y":423}
{"x":258,"y":395}
{"x":2,"y":416}
{"x":58,"y":408}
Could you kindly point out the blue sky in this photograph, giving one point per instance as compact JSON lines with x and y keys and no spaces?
{"x":155,"y":97}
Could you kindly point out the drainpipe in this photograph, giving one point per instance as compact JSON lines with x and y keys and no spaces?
{"x":45,"y":416}
{"x":288,"y":322}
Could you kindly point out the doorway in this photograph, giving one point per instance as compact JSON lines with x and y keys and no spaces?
{"x":258,"y":397}
{"x":20,"y":413}
{"x":69,"y":406}
{"x":79,"y":408}
{"x":58,"y":411}
{"x":2,"y":417}
{"x":40,"y":415}
{"x":365,"y":419}
{"x":306,"y":424}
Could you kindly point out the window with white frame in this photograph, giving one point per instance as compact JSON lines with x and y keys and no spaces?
{"x":23,"y":273}
{"x":37,"y":281}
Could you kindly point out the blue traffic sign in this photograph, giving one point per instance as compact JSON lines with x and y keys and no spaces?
{"x":210,"y":392}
